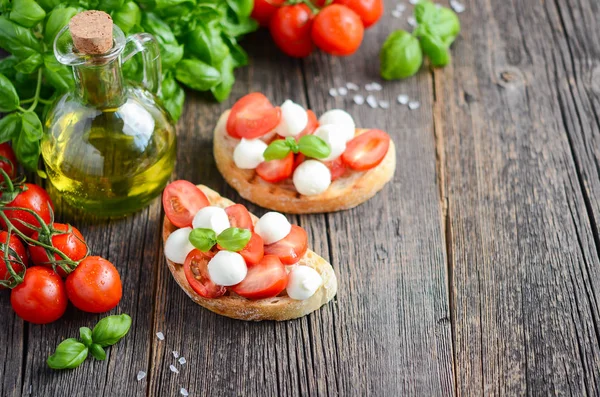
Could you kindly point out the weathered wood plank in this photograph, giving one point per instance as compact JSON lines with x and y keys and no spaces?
{"x":12,"y":343}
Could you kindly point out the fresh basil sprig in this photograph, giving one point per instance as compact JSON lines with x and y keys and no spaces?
{"x":308,"y":145}
{"x":111,"y":329}
{"x":232,"y":239}
{"x":69,"y":354}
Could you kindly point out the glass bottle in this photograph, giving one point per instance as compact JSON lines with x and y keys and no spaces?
{"x":109,"y":146}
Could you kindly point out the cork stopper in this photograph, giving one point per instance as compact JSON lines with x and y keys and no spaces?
{"x":92,"y":32}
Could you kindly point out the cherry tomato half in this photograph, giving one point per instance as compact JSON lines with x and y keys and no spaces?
{"x":264,"y":9}
{"x":9,"y":161}
{"x":290,"y":249}
{"x":266,"y":279}
{"x":254,"y":251}
{"x":41,"y":298}
{"x":34,"y":198}
{"x":337,"y":168}
{"x":196,"y":273}
{"x":239,"y":217}
{"x":312,"y":125}
{"x":367,"y":150}
{"x":181,"y":201}
{"x":95,"y":285}
{"x":252,"y":116}
{"x":72,"y":244}
{"x":369,"y":11}
{"x":17,"y":246}
{"x":276,"y":170}
{"x":337,"y":30}
{"x":290,"y":28}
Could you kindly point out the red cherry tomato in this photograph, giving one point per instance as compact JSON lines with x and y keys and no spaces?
{"x":276,"y":170}
{"x":266,"y":279}
{"x":312,"y":125}
{"x":34,"y":198}
{"x":72,"y":244}
{"x":239,"y":217}
{"x":298,"y":159}
{"x":337,"y":30}
{"x":41,"y":298}
{"x":264,"y":9}
{"x":337,"y":168}
{"x":8,"y":160}
{"x":181,"y":201}
{"x":290,"y":28}
{"x":254,"y":251}
{"x":95,"y":285}
{"x":17,"y":246}
{"x":196,"y":273}
{"x":290,"y":249}
{"x":252,"y":116}
{"x":366,"y":150}
{"x":369,"y":11}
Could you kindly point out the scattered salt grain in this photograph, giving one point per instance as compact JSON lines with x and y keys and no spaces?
{"x":400,"y":7}
{"x":371,"y":101}
{"x":359,"y":99}
{"x":369,"y":87}
{"x":413,"y":2}
{"x":384,"y":104}
{"x":396,"y":13}
{"x":402,"y":99}
{"x":182,"y":360}
{"x":352,"y":86}
{"x":141,"y":375}
{"x":342,"y":91}
{"x":160,"y":336}
{"x":456,"y":6}
{"x":413,"y":105}
{"x":184,"y":392}
{"x":30,"y":389}
{"x":173,"y":369}
{"x":175,"y":354}
{"x":412,"y":21}
{"x":376,"y":86}
{"x":333,"y":92}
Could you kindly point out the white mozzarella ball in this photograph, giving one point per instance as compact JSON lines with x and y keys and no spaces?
{"x":227,"y":268}
{"x":303,"y":282}
{"x":334,"y":136}
{"x":272,"y":227}
{"x":340,"y":118}
{"x":312,"y":177}
{"x":210,"y":217}
{"x":178,"y":245}
{"x":294,"y":119}
{"x":248,"y":154}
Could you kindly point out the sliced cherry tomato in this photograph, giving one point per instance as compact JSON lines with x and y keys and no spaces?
{"x":95,"y":285}
{"x":196,"y":273}
{"x":254,"y":251}
{"x":276,"y":170}
{"x":298,"y":159}
{"x":367,"y":150}
{"x":34,"y":198}
{"x":290,"y":28}
{"x":8,"y":160}
{"x":337,"y":30}
{"x":239,"y":217}
{"x":17,"y":246}
{"x":252,"y":116}
{"x":290,"y":249}
{"x":264,"y":9}
{"x":41,"y":298}
{"x":312,"y":125}
{"x":337,"y":168}
{"x":369,"y":11}
{"x":266,"y":279}
{"x":72,"y":244}
{"x":181,"y":201}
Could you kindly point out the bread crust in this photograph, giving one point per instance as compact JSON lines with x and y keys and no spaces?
{"x":280,"y":308}
{"x":346,"y":192}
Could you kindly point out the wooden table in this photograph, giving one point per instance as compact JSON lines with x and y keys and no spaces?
{"x":475,"y":272}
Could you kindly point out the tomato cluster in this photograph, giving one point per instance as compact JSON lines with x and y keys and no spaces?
{"x":61,"y":269}
{"x":335,"y":27}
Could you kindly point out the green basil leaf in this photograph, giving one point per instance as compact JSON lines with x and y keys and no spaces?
{"x":313,"y":146}
{"x":58,"y":75}
{"x":237,"y":52}
{"x":446,"y":25}
{"x":222,"y":90}
{"x":111,"y":329}
{"x":57,"y":19}
{"x":276,"y":150}
{"x":166,"y":4}
{"x":400,"y":56}
{"x":174,"y":99}
{"x":97,"y":352}
{"x":69,"y":354}
{"x":109,"y":5}
{"x":425,"y":12}
{"x":26,"y":13}
{"x":197,"y":74}
{"x":235,"y":28}
{"x":128,"y":16}
{"x":199,"y":43}
{"x":170,"y":55}
{"x":234,"y":238}
{"x":159,"y":28}
{"x":85,"y":334}
{"x":27,"y":151}
{"x":19,"y":41}
{"x":242,"y":8}
{"x":435,"y":49}
{"x":32,"y":126}
{"x":292,"y":144}
{"x":203,"y":239}
{"x":49,"y":4}
{"x":30,"y":65}
{"x":9,"y":100}
{"x":7,"y":66}
{"x":10,"y":126}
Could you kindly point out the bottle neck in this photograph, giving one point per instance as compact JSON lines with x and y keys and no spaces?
{"x":100,"y":85}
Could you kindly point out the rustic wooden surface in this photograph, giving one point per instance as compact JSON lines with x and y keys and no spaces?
{"x":476,"y":271}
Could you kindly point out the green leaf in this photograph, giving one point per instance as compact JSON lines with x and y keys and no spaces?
{"x":235,"y":28}
{"x":425,"y":12}
{"x":27,"y":151}
{"x":69,"y":354}
{"x":30,"y":65}
{"x":446,"y":25}
{"x":128,"y":16}
{"x":85,"y":334}
{"x":10,"y":126}
{"x":111,"y":329}
{"x":159,"y":28}
{"x":7,"y":66}
{"x":49,"y":4}
{"x":163,"y":4}
{"x":234,"y":239}
{"x":276,"y":150}
{"x":203,"y":239}
{"x":242,"y":8}
{"x":32,"y":126}
{"x":58,"y":75}
{"x":109,"y":5}
{"x":9,"y":100}
{"x":172,"y":96}
{"x":170,"y":55}
{"x":98,"y":352}
{"x":313,"y":146}
{"x":57,"y":19}
{"x":19,"y":41}
{"x":400,"y":56}
{"x":435,"y":49}
{"x":197,"y":74}
{"x":27,"y":13}
{"x":222,"y":90}
{"x":237,"y":52}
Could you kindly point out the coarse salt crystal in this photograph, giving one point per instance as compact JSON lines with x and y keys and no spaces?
{"x":333,"y":92}
{"x":352,"y":86}
{"x":400,"y":7}
{"x":413,"y":105}
{"x":369,"y":87}
{"x":30,"y":389}
{"x":184,"y":392}
{"x":402,"y":99}
{"x":175,"y":354}
{"x":173,"y":369}
{"x":141,"y":375}
{"x":359,"y":99}
{"x":160,"y":336}
{"x":342,"y":90}
{"x":456,"y":6}
{"x":376,"y":86}
{"x":412,"y":21}
{"x":371,"y":101}
{"x":384,"y":104}
{"x":413,"y":2}
{"x":396,"y":13}
{"x":182,"y":360}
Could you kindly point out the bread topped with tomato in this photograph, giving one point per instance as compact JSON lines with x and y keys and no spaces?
{"x":237,"y":265}
{"x":285,"y":159}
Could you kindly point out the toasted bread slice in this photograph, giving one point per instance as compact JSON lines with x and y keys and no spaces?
{"x":350,"y":190}
{"x":279,"y":308}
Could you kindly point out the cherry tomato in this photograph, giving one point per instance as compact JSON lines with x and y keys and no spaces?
{"x":312,"y":125}
{"x":252,"y":116}
{"x":239,"y":217}
{"x":290,"y":28}
{"x":72,"y":244}
{"x":337,"y":30}
{"x":266,"y":279}
{"x":369,"y":11}
{"x":9,"y":161}
{"x":196,"y":273}
{"x":181,"y":201}
{"x":17,"y":246}
{"x":34,"y":198}
{"x":95,"y":285}
{"x":367,"y":150}
{"x":264,"y":9}
{"x":291,"y":248}
{"x":41,"y":298}
{"x":276,"y":170}
{"x":337,"y":168}
{"x":298,"y":159}
{"x":254,"y":251}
